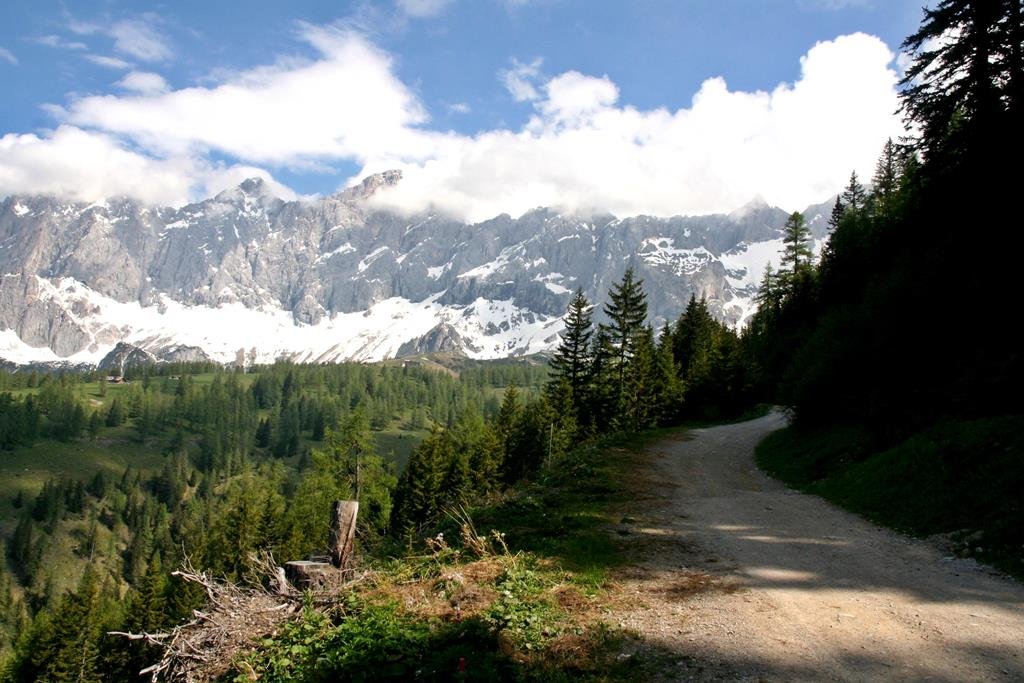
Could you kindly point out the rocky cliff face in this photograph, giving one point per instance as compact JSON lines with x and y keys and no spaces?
{"x":334,"y":279}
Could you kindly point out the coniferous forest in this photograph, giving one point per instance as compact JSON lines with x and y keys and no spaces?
{"x":894,"y":352}
{"x":897,"y":352}
{"x":250,"y":461}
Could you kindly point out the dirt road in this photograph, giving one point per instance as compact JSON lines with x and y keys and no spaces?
{"x":740,"y":578}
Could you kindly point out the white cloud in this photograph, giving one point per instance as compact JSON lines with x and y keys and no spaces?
{"x":348,"y":104}
{"x":794,"y":145}
{"x":145,"y":82}
{"x":422,"y":8}
{"x":108,"y":62}
{"x":580,"y":149}
{"x":573,"y":97}
{"x":88,"y":166}
{"x":51,"y":40}
{"x":459,"y":108}
{"x":139,"y":38}
{"x":8,"y":56}
{"x":520,"y":79}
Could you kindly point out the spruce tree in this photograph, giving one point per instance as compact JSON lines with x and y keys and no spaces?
{"x":837,"y":213}
{"x":603,"y":384}
{"x":796,"y":251}
{"x":959,"y":85}
{"x":885,"y":181}
{"x":692,"y":337}
{"x":571,"y":362}
{"x":853,"y":197}
{"x":507,"y":416}
{"x":626,"y":311}
{"x":769,"y":297}
{"x":639,"y":407}
{"x":419,"y":488}
{"x":77,"y":625}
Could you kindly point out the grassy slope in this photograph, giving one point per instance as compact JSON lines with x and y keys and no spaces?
{"x":961,"y":478}
{"x":529,"y":612}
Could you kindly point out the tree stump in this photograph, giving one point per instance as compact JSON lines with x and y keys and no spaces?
{"x":343,"y":532}
{"x":310,"y":575}
{"x":324,"y":573}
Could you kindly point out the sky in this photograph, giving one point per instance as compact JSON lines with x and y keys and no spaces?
{"x":661,"y":107}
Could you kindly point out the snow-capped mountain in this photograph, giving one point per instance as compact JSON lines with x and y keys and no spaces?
{"x":335,"y":279}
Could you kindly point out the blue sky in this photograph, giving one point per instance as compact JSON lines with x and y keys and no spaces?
{"x":470,"y":98}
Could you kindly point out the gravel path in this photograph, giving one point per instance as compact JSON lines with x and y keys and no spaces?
{"x":740,"y":578}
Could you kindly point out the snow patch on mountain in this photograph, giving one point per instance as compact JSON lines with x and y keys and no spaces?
{"x":492,"y":329}
{"x":661,"y":251}
{"x":746,"y":263}
{"x":333,"y":279}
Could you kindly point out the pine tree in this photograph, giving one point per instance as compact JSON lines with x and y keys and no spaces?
{"x":639,"y":408}
{"x":668,"y":389}
{"x":77,"y":625}
{"x":692,"y":337}
{"x":886,"y":181}
{"x":796,"y":252}
{"x":838,"y":209}
{"x":769,"y":295}
{"x":961,"y":84}
{"x":626,"y":311}
{"x":115,"y":414}
{"x":853,"y":197}
{"x":571,"y":362}
{"x":419,"y":488}
{"x":508,"y":414}
{"x":603,"y":384}
{"x":94,"y":425}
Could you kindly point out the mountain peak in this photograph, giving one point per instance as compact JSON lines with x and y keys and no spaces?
{"x":756,"y":204}
{"x":371,"y":183}
{"x":254,"y":188}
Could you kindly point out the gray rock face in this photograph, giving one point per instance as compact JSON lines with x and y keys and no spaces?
{"x":337,"y":255}
{"x":181,"y":353}
{"x":124,"y":356}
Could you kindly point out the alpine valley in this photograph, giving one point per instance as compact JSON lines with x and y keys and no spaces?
{"x":334,"y":278}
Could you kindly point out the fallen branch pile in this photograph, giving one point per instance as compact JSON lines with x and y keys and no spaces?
{"x":234,"y":619}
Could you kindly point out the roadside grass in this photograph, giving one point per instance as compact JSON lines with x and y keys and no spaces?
{"x":510,"y":591}
{"x":961,"y":480}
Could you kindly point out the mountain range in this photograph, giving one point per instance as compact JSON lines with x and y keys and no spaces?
{"x":334,"y":278}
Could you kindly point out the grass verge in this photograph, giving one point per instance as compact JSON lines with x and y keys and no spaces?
{"x":520,"y":604}
{"x":960,"y":480}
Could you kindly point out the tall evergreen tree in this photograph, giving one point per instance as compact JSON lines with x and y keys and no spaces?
{"x":853,"y":197}
{"x":769,"y":294}
{"x":959,"y":84}
{"x":796,"y":251}
{"x":885,"y":182}
{"x":838,"y":209}
{"x":571,"y":362}
{"x":626,"y":311}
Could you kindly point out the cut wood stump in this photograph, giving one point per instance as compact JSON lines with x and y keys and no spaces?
{"x":313,"y":576}
{"x":323,"y":573}
{"x":343,"y":532}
